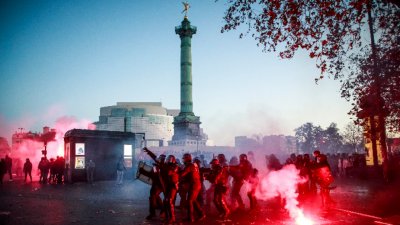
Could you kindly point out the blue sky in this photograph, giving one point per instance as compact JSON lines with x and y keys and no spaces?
{"x":69,"y":58}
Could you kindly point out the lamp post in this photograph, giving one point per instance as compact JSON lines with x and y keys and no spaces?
{"x":44,"y":152}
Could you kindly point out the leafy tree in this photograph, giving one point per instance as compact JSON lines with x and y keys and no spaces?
{"x":363,"y":90}
{"x":307,"y":137}
{"x":353,"y":136}
{"x":332,"y":31}
{"x":376,"y":94}
{"x":310,"y":137}
{"x":332,"y":140}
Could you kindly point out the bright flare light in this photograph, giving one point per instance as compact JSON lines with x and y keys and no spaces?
{"x":284,"y":183}
{"x":301,"y":219}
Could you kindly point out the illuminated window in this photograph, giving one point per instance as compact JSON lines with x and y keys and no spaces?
{"x":128,"y":155}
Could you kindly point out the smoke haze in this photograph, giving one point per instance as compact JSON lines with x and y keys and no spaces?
{"x":272,"y":185}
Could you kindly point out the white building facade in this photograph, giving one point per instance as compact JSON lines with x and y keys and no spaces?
{"x":150,"y":118}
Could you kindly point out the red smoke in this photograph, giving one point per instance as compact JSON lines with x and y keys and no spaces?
{"x":284,"y":183}
{"x":32,"y":148}
{"x":61,"y":126}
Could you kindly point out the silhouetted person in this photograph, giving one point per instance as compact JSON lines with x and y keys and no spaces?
{"x":191,"y":174}
{"x":52,"y":177}
{"x":219,"y":178}
{"x":90,"y":171}
{"x":157,"y":184}
{"x":240,"y":173}
{"x":253,"y":181}
{"x":170,"y":180}
{"x":28,"y":169}
{"x":222,"y":160}
{"x":120,"y":170}
{"x":200,"y":197}
{"x":2,"y":169}
{"x":44,"y":167}
{"x":307,"y":172}
{"x":323,"y":177}
{"x":234,"y":161}
{"x":8,"y":161}
{"x":59,"y":169}
{"x":273,"y":163}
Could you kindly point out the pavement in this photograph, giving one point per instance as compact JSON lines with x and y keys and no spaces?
{"x":357,"y":202}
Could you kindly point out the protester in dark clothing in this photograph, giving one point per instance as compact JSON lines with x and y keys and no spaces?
{"x":222,"y":160}
{"x":90,"y":171}
{"x":171,"y":180}
{"x":219,"y":178}
{"x":240,"y":173}
{"x":52,"y":166}
{"x":191,"y":174}
{"x":8,"y":162}
{"x":323,"y":177}
{"x":306,"y":172}
{"x":2,"y":169}
{"x":253,"y":181}
{"x":157,"y":184}
{"x":234,"y":161}
{"x":320,"y":159}
{"x":273,"y":163}
{"x":44,"y":167}
{"x":59,"y":169}
{"x":183,"y":191}
{"x":120,"y":170}
{"x":200,"y":197}
{"x":28,"y":169}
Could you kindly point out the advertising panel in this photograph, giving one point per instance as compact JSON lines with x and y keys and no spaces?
{"x":80,"y":149}
{"x":79,"y":162}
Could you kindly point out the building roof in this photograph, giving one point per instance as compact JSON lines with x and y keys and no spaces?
{"x":100,"y":134}
{"x":155,"y":108}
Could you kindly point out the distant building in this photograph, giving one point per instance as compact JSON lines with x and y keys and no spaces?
{"x":150,"y":118}
{"x":246,"y":144}
{"x":279,"y":144}
{"x":271,"y":144}
{"x":4,"y":147}
{"x":18,"y":138}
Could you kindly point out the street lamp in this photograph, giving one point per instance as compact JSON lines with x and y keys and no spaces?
{"x":44,"y":152}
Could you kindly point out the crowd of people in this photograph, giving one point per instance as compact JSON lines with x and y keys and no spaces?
{"x":5,"y":168}
{"x":171,"y":177}
{"x":186,"y":180}
{"x":50,"y":171}
{"x":315,"y":170}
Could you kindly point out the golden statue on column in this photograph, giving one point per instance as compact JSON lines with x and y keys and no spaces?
{"x":186,"y":7}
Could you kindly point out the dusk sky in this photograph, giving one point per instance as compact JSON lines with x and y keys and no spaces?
{"x":69,"y":58}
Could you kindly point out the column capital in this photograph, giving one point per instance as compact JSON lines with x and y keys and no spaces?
{"x":185,"y":29}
